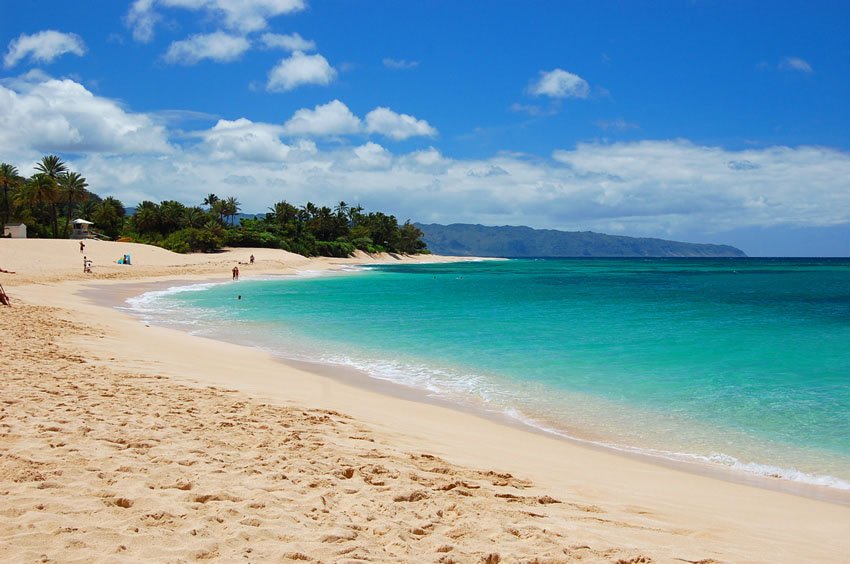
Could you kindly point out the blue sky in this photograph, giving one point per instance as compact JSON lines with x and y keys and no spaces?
{"x":703,"y":121}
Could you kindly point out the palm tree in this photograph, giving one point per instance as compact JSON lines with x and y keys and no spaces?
{"x":52,"y":166}
{"x":116,"y":204}
{"x":219,"y":207}
{"x":341,"y":209}
{"x":195,"y":217}
{"x":147,"y":217}
{"x":74,"y":191}
{"x":86,"y":209}
{"x":210,"y":200}
{"x":172,"y":216}
{"x":9,"y":178}
{"x":41,"y":190}
{"x":310,"y":210}
{"x":354,"y":214}
{"x":109,"y":216}
{"x":232,"y":207}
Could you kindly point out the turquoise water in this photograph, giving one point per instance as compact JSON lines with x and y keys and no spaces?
{"x":739,"y":362}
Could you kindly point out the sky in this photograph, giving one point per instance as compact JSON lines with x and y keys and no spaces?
{"x":696,"y":120}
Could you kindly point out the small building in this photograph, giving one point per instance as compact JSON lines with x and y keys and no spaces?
{"x":15,"y":230}
{"x":81,"y":229}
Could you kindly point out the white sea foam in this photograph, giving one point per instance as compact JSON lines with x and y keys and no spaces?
{"x":725,"y":460}
{"x":478,"y":392}
{"x":152,"y":305}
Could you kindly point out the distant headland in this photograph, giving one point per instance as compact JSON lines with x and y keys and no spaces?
{"x":461,"y":239}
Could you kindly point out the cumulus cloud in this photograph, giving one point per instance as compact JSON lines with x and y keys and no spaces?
{"x":298,"y":70}
{"x":400,"y":64}
{"x":386,"y":122}
{"x":43,"y":47}
{"x":40,"y":114}
{"x":242,"y":15}
{"x":795,"y":64}
{"x":218,"y":46}
{"x":245,"y":140}
{"x":333,"y":118}
{"x":293,"y":42}
{"x":370,"y":156}
{"x":559,"y":83}
{"x":690,"y":183}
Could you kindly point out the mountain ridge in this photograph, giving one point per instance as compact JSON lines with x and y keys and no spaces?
{"x":464,"y":239}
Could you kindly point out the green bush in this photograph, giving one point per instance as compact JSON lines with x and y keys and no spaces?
{"x":192,"y":239}
{"x":177,"y":242}
{"x":252,"y":238}
{"x":339,"y":249}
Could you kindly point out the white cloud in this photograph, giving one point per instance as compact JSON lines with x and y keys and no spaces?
{"x":141,"y":19}
{"x":397,"y":126}
{"x":795,"y":64}
{"x":43,"y":47}
{"x":298,"y":70}
{"x":370,"y":156}
{"x":239,"y":15}
{"x":218,"y":46}
{"x":293,"y":42}
{"x":39,"y":114}
{"x":400,"y":64}
{"x":245,"y":140}
{"x":428,"y":159}
{"x":682,"y":182}
{"x":250,"y":15}
{"x":333,"y":118}
{"x":559,"y":83}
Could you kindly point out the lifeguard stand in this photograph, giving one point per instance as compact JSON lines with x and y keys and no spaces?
{"x":15,"y":230}
{"x":81,"y":229}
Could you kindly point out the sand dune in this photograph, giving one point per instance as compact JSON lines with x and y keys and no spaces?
{"x":120,"y":442}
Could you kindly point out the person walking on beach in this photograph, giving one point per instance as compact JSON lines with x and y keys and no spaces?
{"x":236,"y":273}
{"x":251,"y":259}
{"x":82,"y":247}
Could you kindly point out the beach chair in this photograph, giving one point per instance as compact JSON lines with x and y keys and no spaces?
{"x":4,"y":297}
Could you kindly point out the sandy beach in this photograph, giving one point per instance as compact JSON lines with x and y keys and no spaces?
{"x":126,"y":442}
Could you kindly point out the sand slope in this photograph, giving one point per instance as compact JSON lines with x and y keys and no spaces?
{"x":100,"y":462}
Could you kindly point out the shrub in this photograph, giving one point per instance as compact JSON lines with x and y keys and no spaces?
{"x":252,"y":238}
{"x":192,"y":239}
{"x":339,"y":249}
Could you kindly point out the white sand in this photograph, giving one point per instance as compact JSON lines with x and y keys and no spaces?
{"x":113,"y":445}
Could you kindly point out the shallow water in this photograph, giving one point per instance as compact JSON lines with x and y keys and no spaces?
{"x":738,"y":362}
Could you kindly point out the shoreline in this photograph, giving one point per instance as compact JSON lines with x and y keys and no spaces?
{"x":361,"y":379}
{"x":533,"y":495}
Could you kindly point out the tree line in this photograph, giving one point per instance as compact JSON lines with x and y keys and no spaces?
{"x":49,"y":200}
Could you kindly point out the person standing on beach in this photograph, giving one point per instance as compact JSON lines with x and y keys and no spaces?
{"x":236,"y":273}
{"x":251,"y":259}
{"x":82,"y":247}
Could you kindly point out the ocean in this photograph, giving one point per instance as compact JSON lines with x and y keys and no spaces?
{"x":739,"y":363}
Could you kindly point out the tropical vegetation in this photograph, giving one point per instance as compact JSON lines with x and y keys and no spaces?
{"x":49,"y":200}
